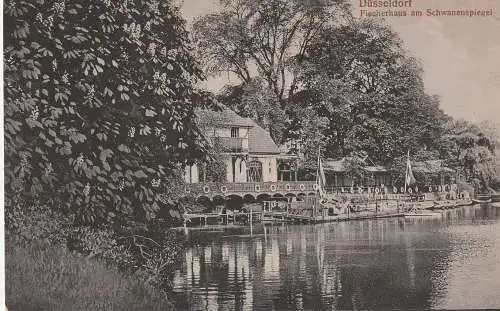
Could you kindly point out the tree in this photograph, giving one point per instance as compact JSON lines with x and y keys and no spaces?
{"x":358,"y":76}
{"x":472,"y":150}
{"x":99,"y":106}
{"x":267,"y":38}
{"x":256,"y":101}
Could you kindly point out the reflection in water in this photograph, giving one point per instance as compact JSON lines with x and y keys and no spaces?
{"x":374,"y":264}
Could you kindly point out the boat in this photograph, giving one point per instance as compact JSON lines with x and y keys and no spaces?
{"x":495,"y":197}
{"x":420,"y":213}
{"x":477,"y":201}
{"x":414,"y":212}
{"x":464,"y":202}
{"x":482,"y":198}
{"x":441,"y":205}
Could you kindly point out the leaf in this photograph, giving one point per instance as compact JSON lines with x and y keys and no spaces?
{"x":123,"y":148}
{"x":100,"y":61}
{"x":140,"y":174}
{"x":106,"y":166}
{"x":174,"y":213}
{"x":105,"y":154}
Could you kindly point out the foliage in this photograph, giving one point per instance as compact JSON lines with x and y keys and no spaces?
{"x":262,"y":43}
{"x":359,"y":78}
{"x":31,"y":221}
{"x":472,"y":150}
{"x":312,"y":142}
{"x":257,"y":101}
{"x":43,"y":277}
{"x":99,"y":106}
{"x":215,"y":169}
{"x":267,"y":34}
{"x":150,"y":251}
{"x":99,"y":123}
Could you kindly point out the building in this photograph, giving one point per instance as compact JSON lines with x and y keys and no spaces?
{"x":348,"y":172}
{"x":247,"y":149}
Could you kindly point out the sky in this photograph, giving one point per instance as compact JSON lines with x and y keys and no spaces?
{"x":460,"y":55}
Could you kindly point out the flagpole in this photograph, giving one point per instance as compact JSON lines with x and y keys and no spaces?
{"x":407,"y":167}
{"x":317,"y":168}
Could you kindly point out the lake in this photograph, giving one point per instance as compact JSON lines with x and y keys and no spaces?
{"x":446,"y":263}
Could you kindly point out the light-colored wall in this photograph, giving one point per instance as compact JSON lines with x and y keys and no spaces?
{"x":240,"y":170}
{"x":222,"y":132}
{"x":226,"y":132}
{"x":269,"y":162}
{"x":191,"y":174}
{"x":229,"y":169}
{"x":269,"y":170}
{"x":244,"y":134}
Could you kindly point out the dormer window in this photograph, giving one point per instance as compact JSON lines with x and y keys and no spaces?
{"x":235,"y":132}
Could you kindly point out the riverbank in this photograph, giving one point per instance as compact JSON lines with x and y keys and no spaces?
{"x":390,"y":208}
{"x":46,"y":277}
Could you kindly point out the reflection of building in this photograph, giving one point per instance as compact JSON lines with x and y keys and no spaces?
{"x":248,"y":151}
{"x":272,"y":260}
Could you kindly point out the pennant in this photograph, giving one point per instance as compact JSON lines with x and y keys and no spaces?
{"x":409,"y":178}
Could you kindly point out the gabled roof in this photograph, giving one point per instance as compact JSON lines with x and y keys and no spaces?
{"x":223,"y":118}
{"x":259,"y":140}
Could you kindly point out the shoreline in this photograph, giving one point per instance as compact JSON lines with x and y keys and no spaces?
{"x":391,"y":211}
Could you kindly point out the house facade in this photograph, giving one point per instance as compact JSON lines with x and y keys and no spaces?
{"x":248,"y":151}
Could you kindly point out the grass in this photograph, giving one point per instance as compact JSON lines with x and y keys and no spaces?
{"x":49,"y":278}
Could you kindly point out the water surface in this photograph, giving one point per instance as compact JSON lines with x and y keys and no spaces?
{"x":392,"y":263}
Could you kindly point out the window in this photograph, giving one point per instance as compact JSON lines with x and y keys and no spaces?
{"x":254,"y":169}
{"x":235,"y":132}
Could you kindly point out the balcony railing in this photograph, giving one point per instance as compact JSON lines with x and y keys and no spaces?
{"x":230,"y":144}
{"x":252,"y":187}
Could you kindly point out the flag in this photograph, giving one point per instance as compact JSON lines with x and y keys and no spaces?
{"x":320,"y":177}
{"x":409,"y":178}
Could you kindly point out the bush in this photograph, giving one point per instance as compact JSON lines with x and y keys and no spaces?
{"x":149,"y":252}
{"x":43,"y":277}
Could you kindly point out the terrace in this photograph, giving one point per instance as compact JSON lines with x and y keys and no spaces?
{"x":254,"y":189}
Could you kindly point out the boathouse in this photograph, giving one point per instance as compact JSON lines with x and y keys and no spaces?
{"x":254,"y":164}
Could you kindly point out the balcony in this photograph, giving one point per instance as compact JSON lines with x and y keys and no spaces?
{"x":229,"y":144}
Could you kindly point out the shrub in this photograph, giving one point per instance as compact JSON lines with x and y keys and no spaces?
{"x":43,"y":277}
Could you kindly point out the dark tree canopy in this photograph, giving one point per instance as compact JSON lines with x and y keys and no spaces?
{"x":266,"y":36}
{"x":359,"y":78}
{"x":262,"y":43}
{"x":99,"y":103}
{"x":473,"y":150}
